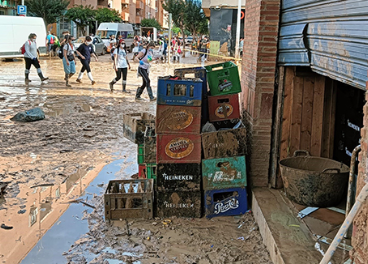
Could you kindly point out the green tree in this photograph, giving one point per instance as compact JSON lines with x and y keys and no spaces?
{"x":82,"y":16}
{"x":107,"y":15}
{"x":194,"y":18}
{"x":177,"y":9}
{"x":150,"y":22}
{"x":49,"y":10}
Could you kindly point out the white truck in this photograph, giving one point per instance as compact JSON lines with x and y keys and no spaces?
{"x":105,"y":30}
{"x":15,"y":31}
{"x":150,"y":32}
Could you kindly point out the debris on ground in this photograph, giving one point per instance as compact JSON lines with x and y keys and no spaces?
{"x":31,"y":115}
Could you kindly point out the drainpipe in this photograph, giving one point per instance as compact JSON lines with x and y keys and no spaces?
{"x":351,"y":180}
{"x":344,"y":227}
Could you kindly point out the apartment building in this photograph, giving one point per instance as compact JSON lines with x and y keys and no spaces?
{"x":133,"y":11}
{"x":9,"y":7}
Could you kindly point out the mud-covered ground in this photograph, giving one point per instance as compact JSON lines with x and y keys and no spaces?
{"x":44,"y":163}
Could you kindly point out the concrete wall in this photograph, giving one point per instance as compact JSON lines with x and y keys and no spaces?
{"x":258,"y":79}
{"x":360,"y":231}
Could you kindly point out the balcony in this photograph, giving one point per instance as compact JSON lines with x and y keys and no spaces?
{"x":138,"y":19}
{"x":139,"y":5}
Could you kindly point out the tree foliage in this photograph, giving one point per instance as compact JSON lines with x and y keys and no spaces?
{"x":107,"y":15}
{"x":49,"y":10}
{"x":150,"y":22}
{"x":177,"y":9}
{"x":194,"y":19}
{"x":81,"y":15}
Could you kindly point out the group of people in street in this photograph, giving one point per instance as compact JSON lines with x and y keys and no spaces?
{"x":68,"y":54}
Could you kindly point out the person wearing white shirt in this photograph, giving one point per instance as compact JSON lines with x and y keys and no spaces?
{"x":30,"y":58}
{"x":121,"y":65}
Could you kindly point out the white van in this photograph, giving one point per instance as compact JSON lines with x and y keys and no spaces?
{"x":105,"y":30}
{"x":15,"y":31}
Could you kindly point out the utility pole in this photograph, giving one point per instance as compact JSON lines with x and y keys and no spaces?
{"x":237,"y":39}
{"x":169,"y":44}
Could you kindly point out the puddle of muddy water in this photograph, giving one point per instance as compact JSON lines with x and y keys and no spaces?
{"x":56,"y":110}
{"x":69,"y":227}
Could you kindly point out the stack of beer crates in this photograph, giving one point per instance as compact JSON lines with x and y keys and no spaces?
{"x":224,"y":166}
{"x":178,"y":127}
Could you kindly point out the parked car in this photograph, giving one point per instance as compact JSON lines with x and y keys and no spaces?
{"x":188,"y":40}
{"x":98,"y":44}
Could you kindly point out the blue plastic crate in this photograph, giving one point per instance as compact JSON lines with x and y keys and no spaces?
{"x":201,"y":73}
{"x":225,"y":202}
{"x":186,"y":92}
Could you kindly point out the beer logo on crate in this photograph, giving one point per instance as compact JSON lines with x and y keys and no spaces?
{"x":179,"y":148}
{"x":179,"y":120}
{"x":224,"y":110}
{"x":223,"y":207}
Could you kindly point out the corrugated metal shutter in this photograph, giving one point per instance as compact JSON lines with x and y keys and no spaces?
{"x":330,"y":36}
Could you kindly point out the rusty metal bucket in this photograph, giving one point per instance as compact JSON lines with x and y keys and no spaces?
{"x":314,"y":181}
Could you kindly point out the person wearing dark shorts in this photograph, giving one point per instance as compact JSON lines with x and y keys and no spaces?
{"x":30,"y":58}
{"x":121,"y":65}
{"x":86,"y":49}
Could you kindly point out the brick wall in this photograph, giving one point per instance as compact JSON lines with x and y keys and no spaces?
{"x":258,"y":80}
{"x":360,"y":230}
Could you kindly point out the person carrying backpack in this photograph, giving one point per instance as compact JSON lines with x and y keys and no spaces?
{"x":30,"y":57}
{"x":145,"y":57}
{"x":121,"y":65}
{"x":69,"y":59}
{"x":86,"y":49}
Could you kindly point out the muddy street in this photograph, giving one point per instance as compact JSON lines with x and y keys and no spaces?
{"x":57,"y":169}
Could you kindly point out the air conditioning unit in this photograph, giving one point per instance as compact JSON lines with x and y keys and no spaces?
{"x":124,"y":5}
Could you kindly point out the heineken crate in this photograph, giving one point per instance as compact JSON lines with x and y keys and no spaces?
{"x":179,"y":177}
{"x":223,"y":78}
{"x":125,"y":199}
{"x":179,"y":204}
{"x":151,"y":170}
{"x":140,"y":153}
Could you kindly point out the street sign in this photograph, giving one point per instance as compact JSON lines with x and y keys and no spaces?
{"x":22,"y":10}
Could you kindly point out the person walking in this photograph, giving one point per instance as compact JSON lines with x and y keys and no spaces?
{"x":121,"y":66}
{"x":86,"y":49}
{"x":69,"y":59}
{"x":30,"y":58}
{"x":50,"y":42}
{"x":145,"y":57}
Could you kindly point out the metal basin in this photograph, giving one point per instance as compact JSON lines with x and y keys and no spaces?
{"x":314,"y":181}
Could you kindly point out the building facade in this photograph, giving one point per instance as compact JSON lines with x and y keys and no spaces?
{"x":9,"y":7}
{"x":133,"y":11}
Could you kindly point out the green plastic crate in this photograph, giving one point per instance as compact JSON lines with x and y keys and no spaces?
{"x":151,"y":169}
{"x":223,"y":78}
{"x":140,"y":154}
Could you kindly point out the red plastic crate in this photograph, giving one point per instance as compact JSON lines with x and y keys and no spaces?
{"x":178,"y":119}
{"x":142,"y":172}
{"x":223,"y":107}
{"x":184,"y":148}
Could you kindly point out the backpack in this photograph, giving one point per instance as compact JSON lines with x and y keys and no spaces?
{"x":61,"y":51}
{"x":52,"y":40}
{"x":23,"y":48}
